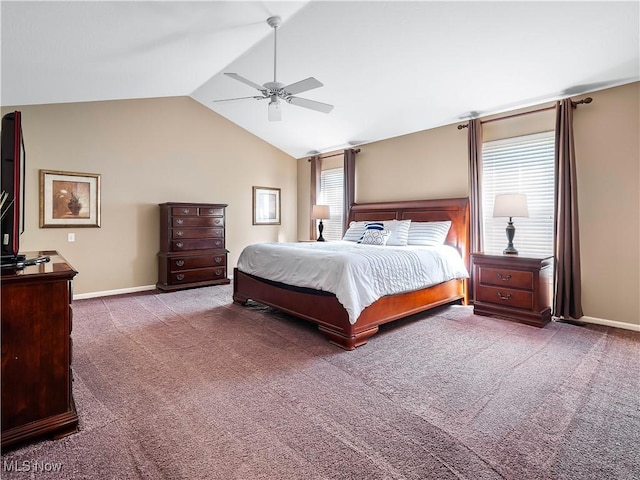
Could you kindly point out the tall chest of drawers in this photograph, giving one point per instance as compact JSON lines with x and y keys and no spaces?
{"x":514,"y":287}
{"x":192,"y":246}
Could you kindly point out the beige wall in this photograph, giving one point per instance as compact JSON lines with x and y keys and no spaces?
{"x":148,"y":152}
{"x":433,"y":163}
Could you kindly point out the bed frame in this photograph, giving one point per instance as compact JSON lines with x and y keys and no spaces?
{"x":324,"y":309}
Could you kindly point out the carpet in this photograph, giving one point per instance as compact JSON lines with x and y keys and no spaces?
{"x":187,"y":385}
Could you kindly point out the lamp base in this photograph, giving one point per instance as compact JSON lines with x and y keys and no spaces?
{"x":511,"y":232}
{"x":320,"y":228}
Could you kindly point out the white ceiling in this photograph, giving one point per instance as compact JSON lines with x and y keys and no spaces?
{"x":390,"y":68}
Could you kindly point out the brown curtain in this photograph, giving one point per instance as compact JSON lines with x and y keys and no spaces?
{"x":475,"y":184}
{"x":316,"y":172}
{"x":349,"y":185}
{"x":567,"y":287}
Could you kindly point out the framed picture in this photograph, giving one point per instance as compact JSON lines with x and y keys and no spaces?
{"x":266,"y":206}
{"x":69,"y":199}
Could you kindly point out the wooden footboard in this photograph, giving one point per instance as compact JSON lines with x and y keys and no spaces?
{"x":323,"y":308}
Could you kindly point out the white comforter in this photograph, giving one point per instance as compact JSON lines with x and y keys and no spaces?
{"x":357,"y":274}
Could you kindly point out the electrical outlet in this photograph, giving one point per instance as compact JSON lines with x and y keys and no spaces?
{"x":71,"y":237}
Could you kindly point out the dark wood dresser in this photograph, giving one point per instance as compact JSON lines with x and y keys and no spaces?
{"x":36,"y":350}
{"x":515,"y":287}
{"x":192,"y":245}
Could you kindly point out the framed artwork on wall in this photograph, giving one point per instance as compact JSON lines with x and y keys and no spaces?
{"x":69,"y":199}
{"x":266,"y":206}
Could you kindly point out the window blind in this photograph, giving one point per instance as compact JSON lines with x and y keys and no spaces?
{"x":520,"y":165}
{"x":331,"y":193}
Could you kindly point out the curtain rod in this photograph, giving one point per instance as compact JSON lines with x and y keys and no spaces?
{"x":332,"y":155}
{"x":575,"y":104}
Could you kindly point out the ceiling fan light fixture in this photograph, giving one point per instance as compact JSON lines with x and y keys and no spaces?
{"x":275,"y":112}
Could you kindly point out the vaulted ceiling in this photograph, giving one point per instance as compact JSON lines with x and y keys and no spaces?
{"x":389,"y":68}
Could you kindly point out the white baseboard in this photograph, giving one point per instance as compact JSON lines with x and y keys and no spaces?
{"x":108,"y":293}
{"x":610,"y":323}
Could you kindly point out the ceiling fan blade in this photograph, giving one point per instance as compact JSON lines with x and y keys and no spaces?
{"x":239,"y":98}
{"x":312,"y":104}
{"x":302,"y":86}
{"x":245,"y":81}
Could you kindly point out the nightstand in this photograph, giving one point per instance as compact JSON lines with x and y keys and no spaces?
{"x":514,"y":287}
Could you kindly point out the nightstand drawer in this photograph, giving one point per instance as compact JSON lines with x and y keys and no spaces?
{"x":505,"y":296}
{"x":503,"y":277}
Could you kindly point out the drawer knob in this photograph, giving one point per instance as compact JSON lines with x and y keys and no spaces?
{"x":218,"y":243}
{"x":502,"y":296}
{"x":180,"y":263}
{"x":185,"y":210}
{"x":179,"y":233}
{"x":179,"y":244}
{"x":218,"y":259}
{"x":218,"y":272}
{"x":217,"y":221}
{"x":504,"y":278}
{"x":211,"y":211}
{"x":180,"y":276}
{"x":179,"y":221}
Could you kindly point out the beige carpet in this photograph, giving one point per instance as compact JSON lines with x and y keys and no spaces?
{"x":186,"y":385}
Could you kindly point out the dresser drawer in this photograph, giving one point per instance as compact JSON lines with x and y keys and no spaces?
{"x":183,"y":221}
{"x":199,"y":275}
{"x":211,"y":212}
{"x":184,"y":211}
{"x":505,"y":297}
{"x":196,"y":244}
{"x":507,"y":278}
{"x":179,"y":233}
{"x":188,"y":263}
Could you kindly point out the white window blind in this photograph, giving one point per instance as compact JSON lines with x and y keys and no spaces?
{"x":520,"y":165}
{"x":331,"y":193}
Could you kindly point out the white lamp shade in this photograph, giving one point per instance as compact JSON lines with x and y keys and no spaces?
{"x":511,"y":205}
{"x":320,"y":212}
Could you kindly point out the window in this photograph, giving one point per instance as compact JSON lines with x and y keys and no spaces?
{"x":332,"y":193}
{"x":520,"y":165}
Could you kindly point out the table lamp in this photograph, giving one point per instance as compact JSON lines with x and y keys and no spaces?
{"x":320,"y":212}
{"x":510,"y":205}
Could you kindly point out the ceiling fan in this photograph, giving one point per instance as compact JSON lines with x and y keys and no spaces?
{"x":276,"y":91}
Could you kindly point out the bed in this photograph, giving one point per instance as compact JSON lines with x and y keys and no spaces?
{"x":324,"y":309}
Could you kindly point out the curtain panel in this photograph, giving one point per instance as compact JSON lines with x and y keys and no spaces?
{"x":567,"y":283}
{"x":314,"y":190}
{"x":349,"y":185}
{"x":475,"y":184}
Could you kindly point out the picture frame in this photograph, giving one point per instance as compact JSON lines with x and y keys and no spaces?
{"x":266,"y":206}
{"x":69,"y":199}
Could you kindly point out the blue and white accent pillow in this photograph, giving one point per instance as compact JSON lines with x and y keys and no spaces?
{"x":374,"y":234}
{"x":428,"y":233}
{"x":374,"y":237}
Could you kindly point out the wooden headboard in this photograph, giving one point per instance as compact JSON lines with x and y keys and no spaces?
{"x":454,"y":209}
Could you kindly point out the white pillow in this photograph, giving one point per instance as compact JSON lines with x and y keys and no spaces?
{"x":355,"y":231}
{"x":398,"y":232}
{"x":428,"y":233}
{"x":374,"y":237}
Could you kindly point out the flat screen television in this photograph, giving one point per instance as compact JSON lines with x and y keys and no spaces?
{"x":12,"y":197}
